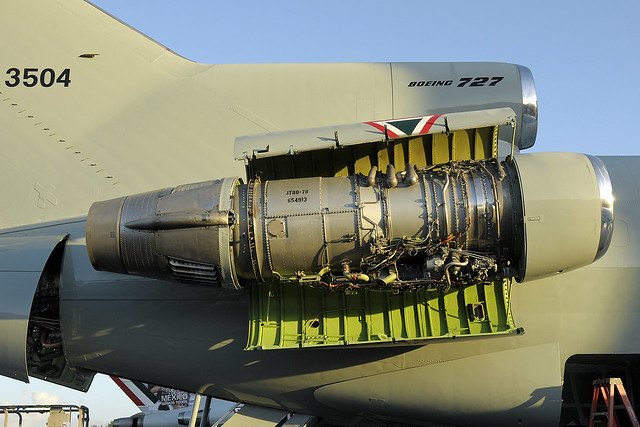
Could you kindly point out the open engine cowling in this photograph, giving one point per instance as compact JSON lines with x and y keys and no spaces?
{"x":452,"y":224}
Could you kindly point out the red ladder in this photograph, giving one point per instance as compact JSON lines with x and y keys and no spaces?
{"x":599,"y":388}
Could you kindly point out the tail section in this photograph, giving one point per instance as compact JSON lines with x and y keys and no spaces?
{"x":75,"y":92}
{"x":148,"y":397}
{"x":91,"y":109}
{"x":166,"y":407}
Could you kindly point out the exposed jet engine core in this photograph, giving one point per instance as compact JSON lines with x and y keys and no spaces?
{"x":445,"y":225}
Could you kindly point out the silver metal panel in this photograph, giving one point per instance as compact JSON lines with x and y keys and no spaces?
{"x":407,"y":205}
{"x":200,"y":197}
{"x":300,"y":250}
{"x":606,"y":210}
{"x":342,"y":243}
{"x":137,"y":248}
{"x":171,"y":243}
{"x":22,"y":260}
{"x":372,"y":223}
{"x":228,"y":275}
{"x":529,"y":119}
{"x":338,"y":194}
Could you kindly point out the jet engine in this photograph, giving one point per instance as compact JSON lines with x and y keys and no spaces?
{"x":462,"y":222}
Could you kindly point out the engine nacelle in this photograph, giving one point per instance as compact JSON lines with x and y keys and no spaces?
{"x":452,"y":224}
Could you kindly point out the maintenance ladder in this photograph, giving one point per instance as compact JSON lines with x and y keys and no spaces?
{"x":608,"y":395}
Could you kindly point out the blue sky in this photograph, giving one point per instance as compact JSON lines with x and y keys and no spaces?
{"x":583,"y":54}
{"x":584,"y":57}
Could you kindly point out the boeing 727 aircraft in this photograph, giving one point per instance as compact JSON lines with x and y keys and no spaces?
{"x":348,"y":243}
